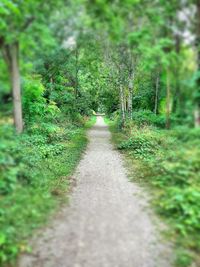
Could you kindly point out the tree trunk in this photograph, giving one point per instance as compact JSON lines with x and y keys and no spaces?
{"x":16,"y":90}
{"x":76,"y":74}
{"x":156,"y":93}
{"x":130,"y":95}
{"x":197,"y":100}
{"x":122,"y":102}
{"x":168,"y":101}
{"x":176,"y":106}
{"x":197,"y":117}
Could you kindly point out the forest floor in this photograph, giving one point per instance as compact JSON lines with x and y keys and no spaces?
{"x":108,"y":222}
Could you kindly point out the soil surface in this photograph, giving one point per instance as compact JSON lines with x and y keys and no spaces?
{"x":108,"y":222}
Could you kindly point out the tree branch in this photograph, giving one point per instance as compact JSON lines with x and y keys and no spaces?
{"x":27,"y":23}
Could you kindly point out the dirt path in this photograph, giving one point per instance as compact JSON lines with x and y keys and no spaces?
{"x":107,"y":223}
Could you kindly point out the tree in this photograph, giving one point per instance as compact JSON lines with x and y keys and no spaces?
{"x":16,"y":17}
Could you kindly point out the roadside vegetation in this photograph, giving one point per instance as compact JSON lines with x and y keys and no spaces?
{"x":168,"y":163}
{"x":35,"y":179}
{"x":39,"y":153}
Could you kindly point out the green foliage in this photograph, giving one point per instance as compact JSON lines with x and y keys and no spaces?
{"x":34,"y":104}
{"x":140,"y":146}
{"x":147,"y":118}
{"x":185,"y":135}
{"x":183,"y":206}
{"x":183,"y":259}
{"x":34,"y":171}
{"x":8,"y":168}
{"x":63,"y":74}
{"x":16,"y":17}
{"x":59,"y":92}
{"x":169,"y":161}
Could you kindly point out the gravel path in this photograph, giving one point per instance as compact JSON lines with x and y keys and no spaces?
{"x":108,"y":222}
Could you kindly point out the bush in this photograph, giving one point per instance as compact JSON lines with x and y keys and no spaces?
{"x":34,"y":104}
{"x":9,"y":168}
{"x":186,"y":134}
{"x":146,"y":117}
{"x":183,"y":205}
{"x":140,"y":146}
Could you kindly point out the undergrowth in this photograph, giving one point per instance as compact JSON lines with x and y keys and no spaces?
{"x":168,"y":161}
{"x":35,"y":171}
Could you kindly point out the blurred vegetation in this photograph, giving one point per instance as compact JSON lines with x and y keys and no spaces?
{"x":36,"y":165}
{"x":169,"y":162}
{"x":135,"y":60}
{"x":34,"y":169}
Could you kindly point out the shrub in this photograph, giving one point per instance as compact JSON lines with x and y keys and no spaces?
{"x":183,"y":205}
{"x":34,"y":104}
{"x":8,"y":168}
{"x":146,"y":117}
{"x":140,"y":146}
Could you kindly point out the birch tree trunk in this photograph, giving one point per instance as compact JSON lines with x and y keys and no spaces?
{"x":11,"y":57}
{"x":122,"y":104}
{"x":130,"y":95}
{"x":16,"y":90}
